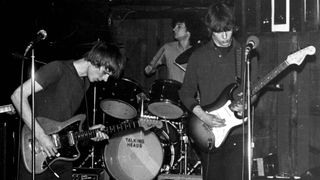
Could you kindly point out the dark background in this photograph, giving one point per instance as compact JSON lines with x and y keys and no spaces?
{"x":286,"y":122}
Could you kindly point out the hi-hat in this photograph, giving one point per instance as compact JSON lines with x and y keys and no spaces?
{"x":19,"y":56}
{"x":90,"y":44}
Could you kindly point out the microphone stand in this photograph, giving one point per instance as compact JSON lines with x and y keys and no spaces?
{"x":41,"y":35}
{"x":32,"y":106}
{"x":248,"y":105}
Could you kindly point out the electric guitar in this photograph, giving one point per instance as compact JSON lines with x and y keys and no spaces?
{"x":208,"y":138}
{"x":66,"y":135}
{"x":7,"y":109}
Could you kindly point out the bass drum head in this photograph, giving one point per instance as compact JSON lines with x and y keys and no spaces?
{"x":135,"y":156}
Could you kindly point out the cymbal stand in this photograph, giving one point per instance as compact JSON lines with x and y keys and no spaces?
{"x":184,"y":143}
{"x":183,"y":159}
{"x":91,"y":151}
{"x":141,"y":97}
{"x":194,"y":167}
{"x":86,"y":159}
{"x":184,"y":166}
{"x":94,"y":121}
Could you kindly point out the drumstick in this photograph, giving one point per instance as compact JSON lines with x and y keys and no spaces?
{"x":182,"y":68}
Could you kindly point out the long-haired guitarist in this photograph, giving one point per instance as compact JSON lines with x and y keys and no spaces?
{"x":211,"y":69}
{"x":60,"y":87}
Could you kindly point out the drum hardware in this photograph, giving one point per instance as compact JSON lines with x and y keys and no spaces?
{"x":93,"y":121}
{"x":141,"y":97}
{"x":91,"y":152}
{"x":89,"y":156}
{"x":194,"y":167}
{"x":183,"y":164}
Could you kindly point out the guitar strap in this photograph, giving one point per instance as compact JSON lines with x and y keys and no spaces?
{"x":238,"y":65}
{"x":85,"y":125}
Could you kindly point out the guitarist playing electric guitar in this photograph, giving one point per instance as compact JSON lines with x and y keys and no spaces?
{"x":213,"y":69}
{"x":60,"y":87}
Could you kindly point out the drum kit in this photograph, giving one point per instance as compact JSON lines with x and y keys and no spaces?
{"x":141,"y":154}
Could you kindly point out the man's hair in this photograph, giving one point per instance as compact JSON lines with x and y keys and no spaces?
{"x":193,"y":24}
{"x":107,"y":55}
{"x":220,"y":18}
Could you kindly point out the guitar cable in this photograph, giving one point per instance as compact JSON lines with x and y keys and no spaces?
{"x":54,"y":173}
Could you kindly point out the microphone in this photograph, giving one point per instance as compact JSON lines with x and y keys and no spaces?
{"x":41,"y":35}
{"x":252,"y":43}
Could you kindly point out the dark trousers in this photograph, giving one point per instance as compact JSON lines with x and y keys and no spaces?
{"x":225,"y":162}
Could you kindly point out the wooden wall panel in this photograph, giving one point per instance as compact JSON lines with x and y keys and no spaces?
{"x":285,"y":121}
{"x":295,"y":109}
{"x":142,"y":39}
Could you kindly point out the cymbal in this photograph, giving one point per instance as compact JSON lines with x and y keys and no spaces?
{"x":183,"y":58}
{"x":90,"y":44}
{"x":19,"y":56}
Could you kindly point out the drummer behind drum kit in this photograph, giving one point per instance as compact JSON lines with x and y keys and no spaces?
{"x":143,"y":155}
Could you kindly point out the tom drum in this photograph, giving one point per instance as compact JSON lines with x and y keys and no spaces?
{"x":120,"y":98}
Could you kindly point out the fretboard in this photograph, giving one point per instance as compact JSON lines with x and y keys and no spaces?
{"x":109,"y":130}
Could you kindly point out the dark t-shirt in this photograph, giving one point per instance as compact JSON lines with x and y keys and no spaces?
{"x":63,"y":91}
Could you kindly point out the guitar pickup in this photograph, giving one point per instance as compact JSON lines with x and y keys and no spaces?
{"x":56,"y":140}
{"x":71,"y":139}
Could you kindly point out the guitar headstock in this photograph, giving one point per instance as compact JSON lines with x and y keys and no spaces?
{"x":298,"y":57}
{"x":148,"y":122}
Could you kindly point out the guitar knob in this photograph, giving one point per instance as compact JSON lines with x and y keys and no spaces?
{"x":210,"y":144}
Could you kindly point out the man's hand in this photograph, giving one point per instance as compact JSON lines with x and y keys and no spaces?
{"x":212,"y":120}
{"x":99,"y":135}
{"x":238,"y":107}
{"x":47,"y":145}
{"x":149,"y":69}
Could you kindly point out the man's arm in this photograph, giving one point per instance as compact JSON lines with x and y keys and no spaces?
{"x":155,"y":62}
{"x":22,"y":99}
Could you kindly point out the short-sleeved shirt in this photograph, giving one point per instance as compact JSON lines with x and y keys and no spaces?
{"x":63,"y":90}
{"x":167,"y":55}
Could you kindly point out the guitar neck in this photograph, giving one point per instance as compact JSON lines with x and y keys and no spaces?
{"x":7,"y":108}
{"x":109,"y":130}
{"x":269,"y":77}
{"x":266,"y":79}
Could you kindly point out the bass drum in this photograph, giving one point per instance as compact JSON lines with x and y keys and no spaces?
{"x":135,"y":156}
{"x":119,"y":97}
{"x":169,"y":138}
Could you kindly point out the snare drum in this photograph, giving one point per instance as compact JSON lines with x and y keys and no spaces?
{"x":119,"y":98}
{"x":135,"y":156}
{"x":164,"y":99}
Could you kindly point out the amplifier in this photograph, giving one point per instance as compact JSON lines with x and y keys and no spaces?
{"x":89,"y":174}
{"x":266,"y":166}
{"x":179,"y":177}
